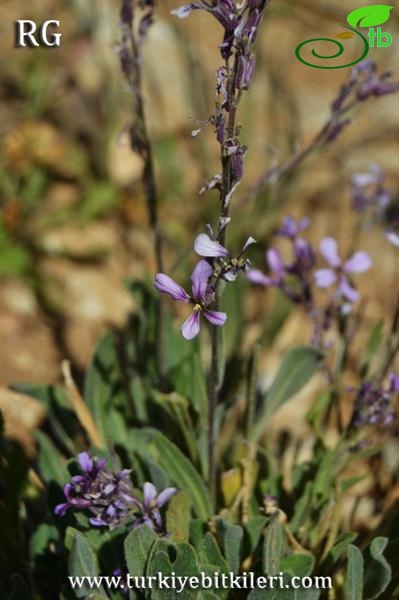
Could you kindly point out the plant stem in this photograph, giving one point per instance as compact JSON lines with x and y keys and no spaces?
{"x":140,"y":143}
{"x":227,"y":182}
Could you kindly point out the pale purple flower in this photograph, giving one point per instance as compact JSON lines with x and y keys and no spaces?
{"x":108,"y":495}
{"x":299,"y":269}
{"x":368,"y":190}
{"x":374,"y":404}
{"x":291,"y":228}
{"x":151,"y":505}
{"x":203,"y":295}
{"x":206,"y":247}
{"x":339,"y":271}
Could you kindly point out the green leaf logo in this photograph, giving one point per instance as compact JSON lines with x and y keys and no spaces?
{"x":369,"y":16}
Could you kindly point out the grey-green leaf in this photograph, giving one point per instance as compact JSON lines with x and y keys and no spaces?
{"x":274,"y":546}
{"x":299,"y":366}
{"x":299,"y":564}
{"x":369,"y":16}
{"x":377,"y":572}
{"x":82,"y":563}
{"x":354,"y":574}
{"x":179,"y":469}
{"x":178,"y":518}
{"x":232,"y":536}
{"x":138,"y":545}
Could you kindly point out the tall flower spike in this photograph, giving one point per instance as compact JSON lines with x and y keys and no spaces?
{"x":339,"y":271}
{"x":202,"y":297}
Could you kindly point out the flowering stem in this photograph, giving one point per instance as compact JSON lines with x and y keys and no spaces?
{"x":232,"y":102}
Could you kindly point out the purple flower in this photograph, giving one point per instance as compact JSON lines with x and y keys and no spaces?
{"x":149,"y":507}
{"x":374,"y":404}
{"x":108,"y":495}
{"x":276,"y":266}
{"x":367,"y":190}
{"x":292,"y":278}
{"x":203,"y":295}
{"x":206,"y":247}
{"x":291,"y":229}
{"x":338,"y":271}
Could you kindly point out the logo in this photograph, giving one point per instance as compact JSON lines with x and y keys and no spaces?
{"x":366,"y":17}
{"x":25,"y":31}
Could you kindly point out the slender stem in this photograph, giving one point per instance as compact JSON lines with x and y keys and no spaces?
{"x":393,"y":343}
{"x":227,"y":177}
{"x":140,"y":143}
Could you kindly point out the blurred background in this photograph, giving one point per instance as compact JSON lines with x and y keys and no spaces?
{"x":73,"y":221}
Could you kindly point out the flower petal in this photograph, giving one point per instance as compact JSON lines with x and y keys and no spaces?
{"x":275,"y":261}
{"x":256,"y":276}
{"x":61,"y":509}
{"x":205,"y":246}
{"x":392,"y":237}
{"x":85,"y":462}
{"x":215,"y":317}
{"x":185,"y":11}
{"x":191,"y":326}
{"x":394,"y":382}
{"x":165,"y":284}
{"x":329,"y":251}
{"x":324,"y":278}
{"x":248,"y":243}
{"x":149,"y":492}
{"x":358,"y":263}
{"x":165,"y":496}
{"x":199,"y":279}
{"x":347,"y":290}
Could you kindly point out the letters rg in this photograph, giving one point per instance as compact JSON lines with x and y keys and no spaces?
{"x":25,"y":34}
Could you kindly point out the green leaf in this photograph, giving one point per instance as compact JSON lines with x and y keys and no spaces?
{"x":210,"y":553}
{"x":338,"y":550}
{"x":354,"y":574}
{"x":231,"y":536}
{"x":82,"y":562}
{"x":52,"y":466}
{"x":254,"y":528}
{"x":378,"y":571}
{"x":138,"y":545}
{"x":178,"y":467}
{"x":160,"y":564}
{"x":186,"y":565}
{"x":41,"y":539}
{"x":299,"y":564}
{"x":274,"y":547}
{"x":102,"y":389}
{"x":369,"y":16}
{"x":178,"y":518}
{"x":58,"y":408}
{"x":299,"y":366}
